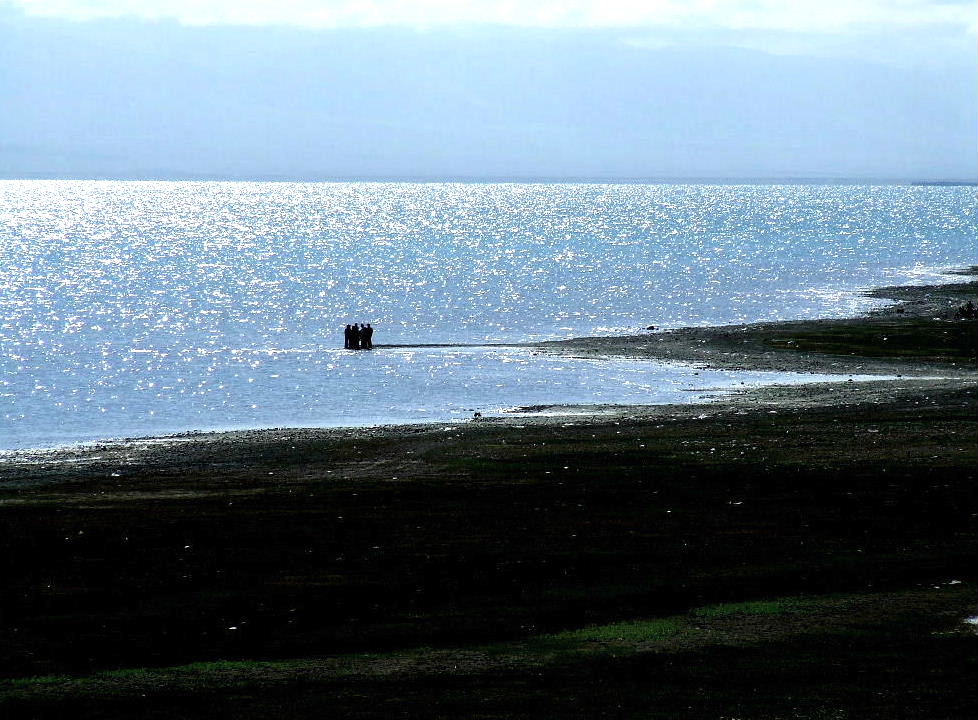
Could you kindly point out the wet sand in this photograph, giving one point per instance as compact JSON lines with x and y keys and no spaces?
{"x":307,"y":549}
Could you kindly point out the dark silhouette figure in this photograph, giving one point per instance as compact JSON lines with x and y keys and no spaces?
{"x":358,"y":337}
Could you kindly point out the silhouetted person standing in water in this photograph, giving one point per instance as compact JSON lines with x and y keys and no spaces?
{"x":358,"y":337}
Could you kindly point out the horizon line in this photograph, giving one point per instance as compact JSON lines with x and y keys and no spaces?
{"x":503,"y":179}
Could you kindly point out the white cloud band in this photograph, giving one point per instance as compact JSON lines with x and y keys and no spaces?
{"x":786,"y":15}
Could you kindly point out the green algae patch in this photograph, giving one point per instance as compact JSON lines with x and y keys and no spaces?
{"x":783,"y":606}
{"x":631,"y":632}
{"x":40,"y":681}
{"x":727,"y":624}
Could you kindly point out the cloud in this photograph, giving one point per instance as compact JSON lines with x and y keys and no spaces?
{"x":157,"y":99}
{"x":906,"y":33}
{"x":827,"y":16}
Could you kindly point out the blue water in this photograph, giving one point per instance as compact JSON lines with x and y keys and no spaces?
{"x":134,"y":308}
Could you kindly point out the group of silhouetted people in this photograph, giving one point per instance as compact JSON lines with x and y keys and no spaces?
{"x":358,"y":337}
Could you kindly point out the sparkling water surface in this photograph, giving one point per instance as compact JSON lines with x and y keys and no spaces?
{"x":134,"y":308}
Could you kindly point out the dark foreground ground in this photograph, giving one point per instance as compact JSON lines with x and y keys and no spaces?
{"x":747,"y":559}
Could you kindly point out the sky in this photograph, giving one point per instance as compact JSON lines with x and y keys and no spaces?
{"x":516,"y":89}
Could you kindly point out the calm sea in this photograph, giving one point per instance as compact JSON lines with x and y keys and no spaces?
{"x":135,"y":308}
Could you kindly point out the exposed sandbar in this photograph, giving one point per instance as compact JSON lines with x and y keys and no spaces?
{"x":921,"y":334}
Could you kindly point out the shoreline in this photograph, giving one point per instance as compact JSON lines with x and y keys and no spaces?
{"x":779,"y":346}
{"x":178,"y":447}
{"x":791,"y":345}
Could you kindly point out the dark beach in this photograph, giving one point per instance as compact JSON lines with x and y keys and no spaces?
{"x":788,"y":552}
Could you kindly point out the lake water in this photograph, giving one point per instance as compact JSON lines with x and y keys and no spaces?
{"x":135,"y":308}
